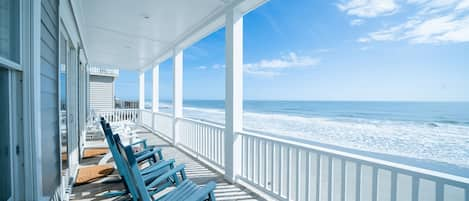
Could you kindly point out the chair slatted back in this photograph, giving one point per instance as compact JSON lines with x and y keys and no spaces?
{"x":120,"y":163}
{"x":132,"y":166}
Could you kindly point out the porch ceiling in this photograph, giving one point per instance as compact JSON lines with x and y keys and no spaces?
{"x":138,"y":34}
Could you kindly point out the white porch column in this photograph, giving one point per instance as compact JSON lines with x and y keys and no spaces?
{"x":233,"y":94}
{"x":156,"y":95}
{"x":141,"y":93}
{"x":177,"y":92}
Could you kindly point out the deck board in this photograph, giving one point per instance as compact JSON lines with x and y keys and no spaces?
{"x":196,"y":171}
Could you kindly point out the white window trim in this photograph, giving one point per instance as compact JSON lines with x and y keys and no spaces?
{"x":10,"y":64}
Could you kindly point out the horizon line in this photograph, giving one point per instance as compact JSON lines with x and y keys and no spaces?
{"x":313,"y":100}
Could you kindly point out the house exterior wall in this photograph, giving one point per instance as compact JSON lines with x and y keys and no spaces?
{"x":49,"y":97}
{"x":101,"y":92}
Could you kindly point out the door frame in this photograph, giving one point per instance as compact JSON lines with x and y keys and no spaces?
{"x":72,"y":81}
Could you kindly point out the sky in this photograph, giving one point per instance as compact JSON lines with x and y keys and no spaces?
{"x":362,"y":50}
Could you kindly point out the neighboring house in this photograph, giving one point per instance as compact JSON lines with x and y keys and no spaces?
{"x":102,"y":88}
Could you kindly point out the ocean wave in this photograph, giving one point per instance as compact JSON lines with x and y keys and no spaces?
{"x":436,"y":141}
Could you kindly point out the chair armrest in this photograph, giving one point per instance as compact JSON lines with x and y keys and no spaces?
{"x":148,"y":154}
{"x":172,"y":173}
{"x":157,"y":166}
{"x":142,"y":141}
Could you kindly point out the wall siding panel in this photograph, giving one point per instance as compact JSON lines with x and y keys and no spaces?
{"x":49,"y":98}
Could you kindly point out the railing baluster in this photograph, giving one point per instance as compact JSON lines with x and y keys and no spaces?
{"x":271,"y":166}
{"x":288,"y":164}
{"x":318,"y":177}
{"x":466,"y":194}
{"x":280,"y":163}
{"x":298,"y":163}
{"x":415,"y":188}
{"x":207,"y":141}
{"x":243,"y":156}
{"x":254,"y":159}
{"x":374,"y":184}
{"x":307,"y":176}
{"x":329,"y":178}
{"x":249,"y":163}
{"x":343,"y":179}
{"x":204,"y":140}
{"x":220,"y":144}
{"x":358,"y":181}
{"x":199,"y":136}
{"x":265,"y":163}
{"x":217,"y":150}
{"x":258,"y":161}
{"x":213,"y":140}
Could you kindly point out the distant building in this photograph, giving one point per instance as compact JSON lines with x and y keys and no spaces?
{"x":102,"y":88}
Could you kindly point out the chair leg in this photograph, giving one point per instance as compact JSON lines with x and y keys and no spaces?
{"x":211,"y":196}
{"x":160,"y":156}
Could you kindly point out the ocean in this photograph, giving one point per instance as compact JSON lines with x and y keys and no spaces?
{"x":432,"y":135}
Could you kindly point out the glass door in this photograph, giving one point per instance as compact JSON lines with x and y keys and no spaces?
{"x":9,"y":60}
{"x":64,"y":152}
{"x":6,"y":158}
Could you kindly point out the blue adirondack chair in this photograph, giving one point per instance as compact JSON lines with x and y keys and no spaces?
{"x":150,"y":173}
{"x":184,"y":191}
{"x":160,"y":165}
{"x":145,"y":154}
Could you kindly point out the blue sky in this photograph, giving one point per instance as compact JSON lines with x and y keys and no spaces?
{"x":415,"y":50}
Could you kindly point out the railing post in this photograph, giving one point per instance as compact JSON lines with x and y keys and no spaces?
{"x":141,"y":99}
{"x":177,"y":92}
{"x":233,"y":94}
{"x":156,"y":95}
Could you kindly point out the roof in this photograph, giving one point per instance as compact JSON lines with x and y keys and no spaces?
{"x":136,"y":35}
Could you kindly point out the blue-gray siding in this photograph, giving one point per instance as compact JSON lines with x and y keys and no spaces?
{"x":49,"y":96}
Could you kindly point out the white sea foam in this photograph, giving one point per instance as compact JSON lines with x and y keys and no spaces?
{"x":447,"y":143}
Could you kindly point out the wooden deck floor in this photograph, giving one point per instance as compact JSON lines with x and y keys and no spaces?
{"x":196,"y":171}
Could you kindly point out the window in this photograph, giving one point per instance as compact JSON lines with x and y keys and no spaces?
{"x":9,"y":30}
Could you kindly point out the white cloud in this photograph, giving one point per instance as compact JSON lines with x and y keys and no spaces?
{"x":201,"y":67}
{"x":274,"y":67}
{"x":356,"y":22}
{"x":430,"y":7}
{"x":437,"y":21}
{"x":463,"y":5}
{"x":218,"y":66}
{"x":434,"y":30}
{"x":368,"y":8}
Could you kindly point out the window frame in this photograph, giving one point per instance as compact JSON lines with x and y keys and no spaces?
{"x":8,"y":63}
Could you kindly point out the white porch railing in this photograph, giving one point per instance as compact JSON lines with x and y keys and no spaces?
{"x":289,"y":170}
{"x":118,"y":115}
{"x":204,"y":140}
{"x":159,"y":122}
{"x":294,"y":171}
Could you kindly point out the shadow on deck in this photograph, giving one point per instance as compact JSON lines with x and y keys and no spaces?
{"x":196,"y":171}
